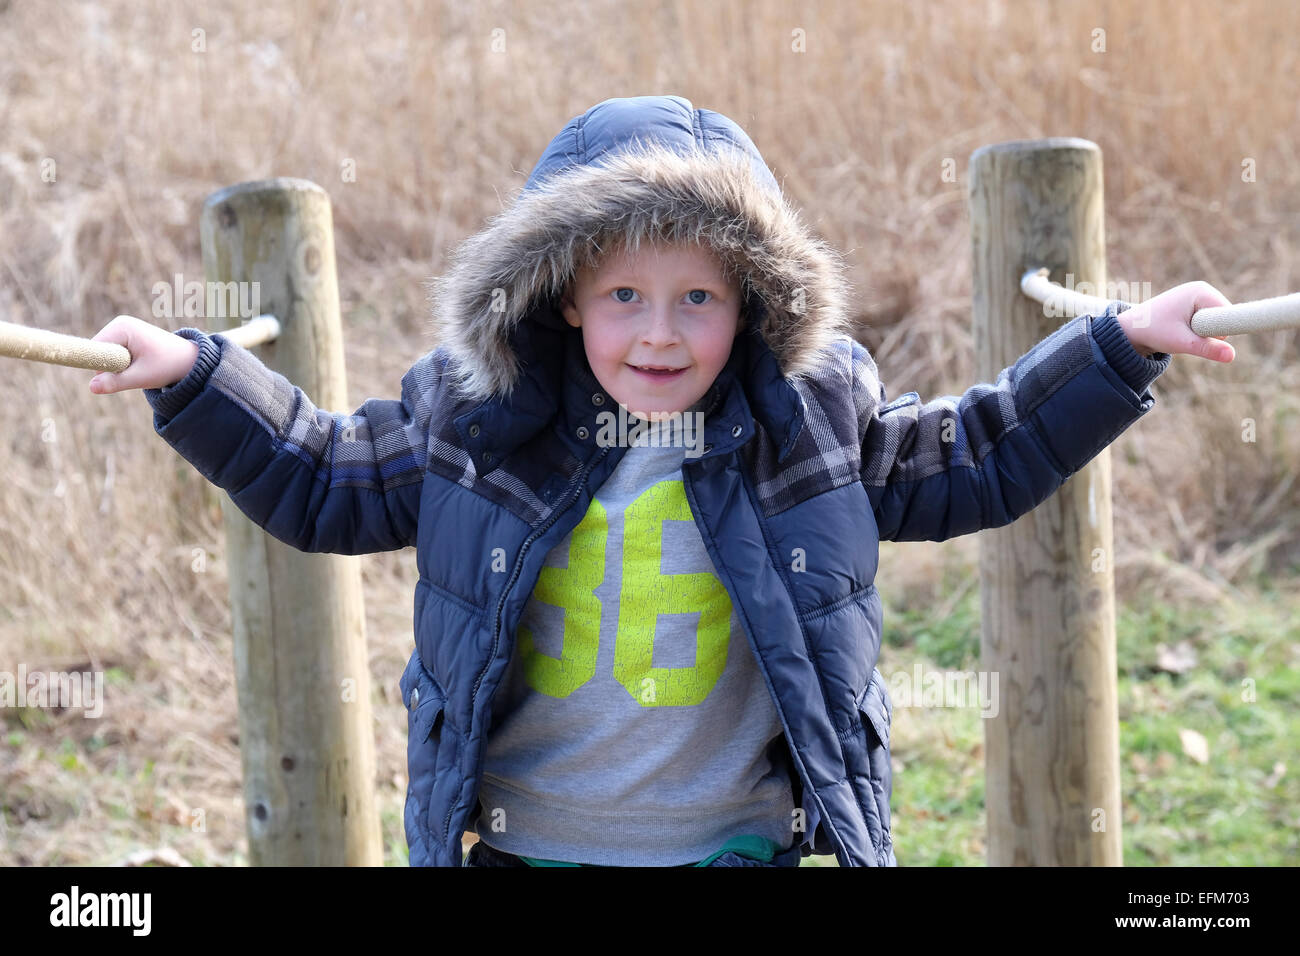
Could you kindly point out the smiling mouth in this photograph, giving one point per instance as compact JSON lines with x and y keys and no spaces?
{"x":662,"y":371}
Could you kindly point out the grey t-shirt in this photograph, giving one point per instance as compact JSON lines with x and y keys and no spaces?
{"x":634,"y":727}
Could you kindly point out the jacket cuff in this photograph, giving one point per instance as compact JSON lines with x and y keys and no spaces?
{"x":1137,"y":371}
{"x":170,"y":399}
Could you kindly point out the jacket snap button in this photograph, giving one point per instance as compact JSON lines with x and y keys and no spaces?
{"x":487,"y":457}
{"x":582,"y":432}
{"x":735,"y":432}
{"x":415,"y":697}
{"x":598,"y":399}
{"x":473,"y":431}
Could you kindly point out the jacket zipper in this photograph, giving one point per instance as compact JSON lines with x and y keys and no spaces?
{"x":514,"y":576}
{"x":796,"y":763}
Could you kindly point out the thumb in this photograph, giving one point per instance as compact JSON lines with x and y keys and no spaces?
{"x":1210,"y":347}
{"x":1220,"y":351}
{"x":105,"y":383}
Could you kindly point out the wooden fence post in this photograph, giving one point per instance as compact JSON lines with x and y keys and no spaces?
{"x":1052,"y":751}
{"x":301,"y":667}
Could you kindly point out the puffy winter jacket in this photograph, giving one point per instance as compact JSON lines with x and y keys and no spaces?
{"x":490,"y":457}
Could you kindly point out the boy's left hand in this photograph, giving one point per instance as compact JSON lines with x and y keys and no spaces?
{"x":1164,"y":323}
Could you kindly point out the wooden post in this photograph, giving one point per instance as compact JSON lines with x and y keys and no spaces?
{"x":301,"y":666}
{"x":1052,"y":751}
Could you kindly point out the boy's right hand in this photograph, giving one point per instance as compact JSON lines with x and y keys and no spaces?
{"x":158,"y":358}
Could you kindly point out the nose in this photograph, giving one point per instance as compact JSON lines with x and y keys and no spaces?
{"x":660,"y":329}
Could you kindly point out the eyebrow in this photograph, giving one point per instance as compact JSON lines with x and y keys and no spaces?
{"x":616,"y":277}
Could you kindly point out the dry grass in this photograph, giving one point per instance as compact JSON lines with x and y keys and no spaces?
{"x":101,"y":519}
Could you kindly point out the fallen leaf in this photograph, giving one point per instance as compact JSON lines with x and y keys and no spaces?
{"x":1176,"y":660}
{"x":162,"y":856}
{"x":1194,"y":745}
{"x":1274,"y":778}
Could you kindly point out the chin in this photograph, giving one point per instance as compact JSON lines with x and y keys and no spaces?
{"x":653,"y":410}
{"x":657,"y":414}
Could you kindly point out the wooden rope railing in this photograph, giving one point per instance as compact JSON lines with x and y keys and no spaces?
{"x":56,"y":348}
{"x":1240,"y":318}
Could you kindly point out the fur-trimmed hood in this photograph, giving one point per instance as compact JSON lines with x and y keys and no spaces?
{"x":629,"y":171}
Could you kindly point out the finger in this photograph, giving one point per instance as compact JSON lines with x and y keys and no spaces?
{"x":113,"y":332}
{"x":1207,"y":296}
{"x":118,"y":331}
{"x":1214,"y":349}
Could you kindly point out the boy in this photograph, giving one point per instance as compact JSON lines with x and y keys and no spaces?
{"x":628,"y":654}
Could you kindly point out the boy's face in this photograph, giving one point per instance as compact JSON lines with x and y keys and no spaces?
{"x":657,"y":327}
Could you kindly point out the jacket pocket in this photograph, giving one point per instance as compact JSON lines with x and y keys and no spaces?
{"x":877,"y":720}
{"x":425,"y":702}
{"x":423,"y":698}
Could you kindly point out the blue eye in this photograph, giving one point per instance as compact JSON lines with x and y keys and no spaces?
{"x":701,"y":292}
{"x":617,"y":295}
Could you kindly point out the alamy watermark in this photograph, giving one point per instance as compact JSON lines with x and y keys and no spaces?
{"x":206,"y":300}
{"x":630,"y":429}
{"x":1061,"y":306}
{"x":936,"y":688}
{"x":62,"y":689}
{"x":75,"y":908}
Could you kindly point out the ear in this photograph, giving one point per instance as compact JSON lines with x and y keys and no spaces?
{"x":570,"y":311}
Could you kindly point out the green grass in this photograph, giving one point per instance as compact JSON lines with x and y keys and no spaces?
{"x":396,"y":852}
{"x":1236,"y":809}
{"x":1239,"y":808}
{"x":1242,"y":807}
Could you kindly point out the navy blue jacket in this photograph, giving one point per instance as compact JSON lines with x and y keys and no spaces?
{"x":490,"y":456}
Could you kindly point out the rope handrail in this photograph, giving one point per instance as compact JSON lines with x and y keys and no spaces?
{"x":56,"y":348}
{"x":1240,"y":318}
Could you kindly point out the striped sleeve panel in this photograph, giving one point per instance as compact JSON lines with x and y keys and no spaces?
{"x":958,"y":464}
{"x":316,"y":480}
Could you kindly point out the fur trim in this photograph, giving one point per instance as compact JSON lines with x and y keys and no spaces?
{"x":526,"y":256}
